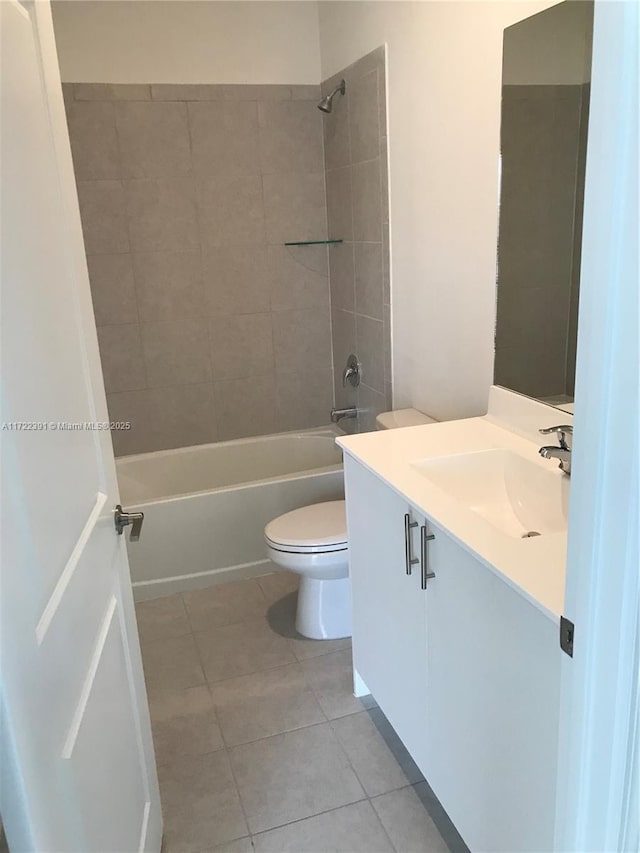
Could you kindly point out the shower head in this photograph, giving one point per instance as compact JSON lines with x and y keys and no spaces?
{"x":326,"y":104}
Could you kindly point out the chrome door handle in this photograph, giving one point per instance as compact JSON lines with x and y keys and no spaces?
{"x":123,"y":519}
{"x":425,"y":574}
{"x":408,"y":527}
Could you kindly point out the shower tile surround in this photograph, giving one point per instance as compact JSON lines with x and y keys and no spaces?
{"x":355,"y":152}
{"x":210,"y":328}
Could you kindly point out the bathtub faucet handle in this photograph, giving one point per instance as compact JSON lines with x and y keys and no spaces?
{"x":351,"y":373}
{"x":122,"y":519}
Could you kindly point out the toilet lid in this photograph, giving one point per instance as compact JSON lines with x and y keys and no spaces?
{"x":319,"y":527}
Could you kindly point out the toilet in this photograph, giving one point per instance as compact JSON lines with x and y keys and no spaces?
{"x":312,"y":542}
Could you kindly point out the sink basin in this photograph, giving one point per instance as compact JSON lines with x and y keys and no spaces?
{"x":518,"y":497}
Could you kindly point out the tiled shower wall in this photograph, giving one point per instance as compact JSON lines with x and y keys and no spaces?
{"x":209,"y":328}
{"x":355,"y":145}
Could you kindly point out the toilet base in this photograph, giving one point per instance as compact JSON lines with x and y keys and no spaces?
{"x":324,"y":608}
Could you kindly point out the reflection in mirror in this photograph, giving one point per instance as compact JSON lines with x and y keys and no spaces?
{"x":546,"y":73}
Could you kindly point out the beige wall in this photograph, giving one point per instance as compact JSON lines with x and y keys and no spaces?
{"x":444,"y":88}
{"x":163,"y":41}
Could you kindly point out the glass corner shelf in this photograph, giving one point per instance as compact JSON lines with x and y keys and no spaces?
{"x":312,"y":242}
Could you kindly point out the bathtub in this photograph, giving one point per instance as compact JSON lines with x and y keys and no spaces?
{"x":205,"y":507}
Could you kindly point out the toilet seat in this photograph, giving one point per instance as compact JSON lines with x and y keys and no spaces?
{"x":316,"y":529}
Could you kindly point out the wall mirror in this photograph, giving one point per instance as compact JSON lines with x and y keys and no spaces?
{"x":546,"y":73}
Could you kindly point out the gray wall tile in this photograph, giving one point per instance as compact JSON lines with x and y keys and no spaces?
{"x":343,"y":324}
{"x":368,"y":278}
{"x":250,"y":92}
{"x":357,"y":209}
{"x":112,"y":92}
{"x":235,"y":279}
{"x":230,"y":210}
{"x":112,"y":289}
{"x":241,"y":345}
{"x":295,"y":207}
{"x":342,"y":276}
{"x":370,"y":404}
{"x":305,"y":399}
{"x":246,"y":407}
{"x":290,"y":137}
{"x":370,"y":349}
{"x":121,"y":357}
{"x":162,"y":215}
{"x":337,"y":151}
{"x":176,"y":352}
{"x":367,"y":202}
{"x":94,"y":142}
{"x":224,"y":138}
{"x":154,"y":139}
{"x":181,"y":261}
{"x":298,"y":277}
{"x":363,"y":117}
{"x":162,"y":418}
{"x":339,"y":204}
{"x":185,"y":92}
{"x":300,"y":339}
{"x":168,"y":285}
{"x":104,"y":221}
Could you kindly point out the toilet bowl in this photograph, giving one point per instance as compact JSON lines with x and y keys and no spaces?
{"x":312,"y":542}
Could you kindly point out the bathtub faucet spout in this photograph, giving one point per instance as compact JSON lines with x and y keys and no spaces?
{"x":339,"y":414}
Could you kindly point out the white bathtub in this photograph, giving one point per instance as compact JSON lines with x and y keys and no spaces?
{"x":205,"y":507}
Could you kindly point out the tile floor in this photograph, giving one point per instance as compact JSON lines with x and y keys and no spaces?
{"x":261,"y":745}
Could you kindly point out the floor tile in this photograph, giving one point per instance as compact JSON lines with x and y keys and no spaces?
{"x":378,"y":769}
{"x":408,"y":823}
{"x":200,"y":804}
{"x":351,"y":829}
{"x":184,"y":723}
{"x":264,"y":704}
{"x":162,"y":618}
{"x":240,"y":845}
{"x":305,"y":649}
{"x":331,"y":679}
{"x":241,"y":649}
{"x":172,"y":664}
{"x":289,"y":678}
{"x":278,"y":584}
{"x":224,"y":604}
{"x":293,"y":776}
{"x":262,"y":717}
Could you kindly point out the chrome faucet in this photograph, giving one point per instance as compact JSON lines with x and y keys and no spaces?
{"x":338,"y":414}
{"x":351,"y":373}
{"x":563,"y":451}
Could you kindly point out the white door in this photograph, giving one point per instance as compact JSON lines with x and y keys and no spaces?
{"x":78,"y":772}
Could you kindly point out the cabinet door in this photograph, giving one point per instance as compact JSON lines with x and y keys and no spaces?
{"x":493,"y":699}
{"x":389,"y":629}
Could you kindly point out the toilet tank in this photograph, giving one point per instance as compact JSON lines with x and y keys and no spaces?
{"x":402,"y":418}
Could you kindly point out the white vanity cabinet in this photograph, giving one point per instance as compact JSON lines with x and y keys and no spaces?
{"x":389,"y":630}
{"x":467,"y":671}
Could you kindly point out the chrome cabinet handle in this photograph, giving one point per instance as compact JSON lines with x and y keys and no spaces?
{"x":123,"y":519}
{"x":425,"y":574}
{"x":408,"y":527}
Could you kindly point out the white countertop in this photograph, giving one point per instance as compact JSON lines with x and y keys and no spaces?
{"x":534,"y":567}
